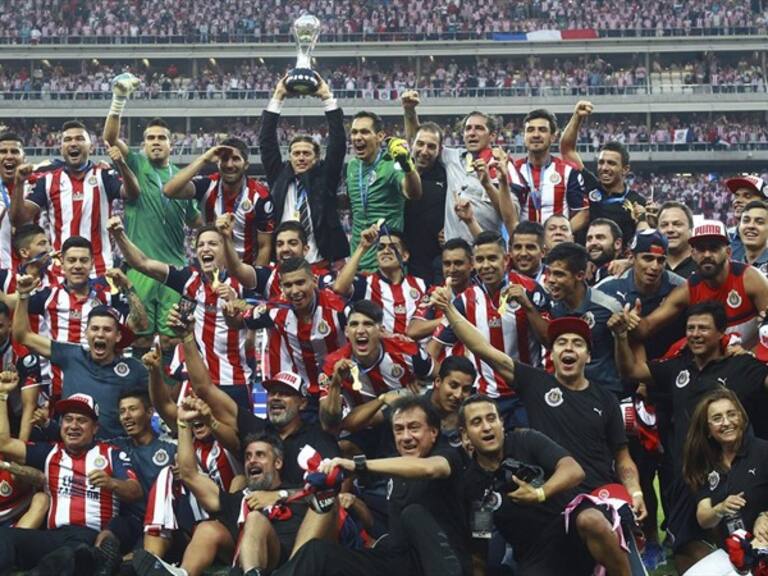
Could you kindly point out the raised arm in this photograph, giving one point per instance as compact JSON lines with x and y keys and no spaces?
{"x":180,"y":186}
{"x":672,"y":307}
{"x":205,"y":490}
{"x":131,"y":188}
{"x":269,"y":146}
{"x":243,"y":273}
{"x":629,"y":367}
{"x":123,"y":86}
{"x":330,"y":412}
{"x":22,"y":210}
{"x":570,"y":136}
{"x":159,"y":394}
{"x":135,"y":258}
{"x":137,"y":321}
{"x":22,"y":331}
{"x":410,"y":100}
{"x":337,"y":140}
{"x":343,"y":283}
{"x":11,"y":448}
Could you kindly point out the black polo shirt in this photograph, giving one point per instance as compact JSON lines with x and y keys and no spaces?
{"x":748,"y":474}
{"x":684,"y":269}
{"x":604,"y":205}
{"x":679,"y":381}
{"x":587,"y":423}
{"x":309,"y":434}
{"x":424,"y":219}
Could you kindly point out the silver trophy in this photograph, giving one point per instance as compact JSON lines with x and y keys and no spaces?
{"x":302,"y":79}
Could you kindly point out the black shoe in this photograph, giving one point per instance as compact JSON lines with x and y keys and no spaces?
{"x":108,"y":557}
{"x":60,"y":562}
{"x":85,"y":560}
{"x":147,"y":564}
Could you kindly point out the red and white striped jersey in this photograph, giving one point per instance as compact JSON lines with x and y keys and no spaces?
{"x":252,"y":207}
{"x":301,"y":347}
{"x":401,"y":361}
{"x":8,"y":257}
{"x":557,"y":188}
{"x":74,"y":500}
{"x":14,"y":497}
{"x":398,"y":301}
{"x":511,"y":332}
{"x":217,"y":462}
{"x":79,"y":206}
{"x":222,"y":347}
{"x":268,"y":280}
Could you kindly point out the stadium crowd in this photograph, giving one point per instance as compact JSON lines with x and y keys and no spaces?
{"x":484,"y":373}
{"x":35,"y":21}
{"x":383,"y":81}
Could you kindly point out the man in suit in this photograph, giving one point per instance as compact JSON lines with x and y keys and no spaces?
{"x":304,"y":187}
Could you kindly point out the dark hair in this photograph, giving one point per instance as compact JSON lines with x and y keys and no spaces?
{"x":528,"y":227}
{"x":755,"y":204}
{"x":457,"y":364}
{"x":553,"y":216}
{"x":367,"y":308}
{"x":432,"y":127}
{"x":542,"y":113}
{"x":291,"y":226}
{"x":473,"y":399}
{"x":305,"y":138}
{"x":618,"y":147}
{"x":72,"y":124}
{"x":458,"y":244}
{"x":293,"y":265}
{"x":4,"y":310}
{"x":490,"y":123}
{"x":395,"y":233}
{"x":159,"y":122}
{"x":238,"y":145}
{"x":701,"y":453}
{"x":139,"y":393}
{"x":378,"y":124}
{"x":406,"y":403}
{"x":104,"y":311}
{"x":674,"y":204}
{"x":278,"y":448}
{"x":489,"y":237}
{"x":76,"y":242}
{"x":25,"y":233}
{"x":714,"y":309}
{"x":574,"y":255}
{"x":615,"y":229}
{"x":11,"y":137}
{"x":205,"y":228}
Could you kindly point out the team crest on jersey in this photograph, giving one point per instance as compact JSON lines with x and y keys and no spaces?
{"x":397,"y":371}
{"x":414,"y":293}
{"x":734,"y":299}
{"x":100,"y":463}
{"x":122,"y":369}
{"x":76,"y":314}
{"x":682,"y":379}
{"x":555,"y":178}
{"x":589,"y":318}
{"x":5,"y":489}
{"x":372,"y":178}
{"x":160,"y":458}
{"x":93,"y":181}
{"x":595,"y":196}
{"x":323,"y":380}
{"x":554,"y":397}
{"x":246,"y":205}
{"x":215,"y":451}
{"x":323,"y":327}
{"x":713,"y":479}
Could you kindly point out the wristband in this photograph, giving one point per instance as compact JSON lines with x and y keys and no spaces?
{"x":330,"y":104}
{"x":275,"y":106}
{"x":118,"y":103}
{"x":214,"y":424}
{"x":3,"y":396}
{"x":23,"y":295}
{"x":189,"y":338}
{"x":181,"y":424}
{"x":541,"y":496}
{"x":637,"y":494}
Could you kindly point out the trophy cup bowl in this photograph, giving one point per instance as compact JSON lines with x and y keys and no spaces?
{"x":302,"y":79}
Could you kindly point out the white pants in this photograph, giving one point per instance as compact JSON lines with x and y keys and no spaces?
{"x":715,"y":564}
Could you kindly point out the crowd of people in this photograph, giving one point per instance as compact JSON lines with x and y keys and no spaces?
{"x":59,"y":21}
{"x":301,"y":397}
{"x":388,"y":80}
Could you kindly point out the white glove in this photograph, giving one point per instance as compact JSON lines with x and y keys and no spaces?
{"x":123,"y":86}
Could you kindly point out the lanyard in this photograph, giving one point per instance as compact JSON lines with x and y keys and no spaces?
{"x":362,"y":181}
{"x":615,"y":199}
{"x":536,"y":190}
{"x":365,"y":370}
{"x":239,"y":198}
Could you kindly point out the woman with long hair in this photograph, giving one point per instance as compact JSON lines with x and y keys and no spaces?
{"x":727,"y":469}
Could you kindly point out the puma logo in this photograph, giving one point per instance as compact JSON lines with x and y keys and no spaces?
{"x":753,"y":471}
{"x":599,"y":412}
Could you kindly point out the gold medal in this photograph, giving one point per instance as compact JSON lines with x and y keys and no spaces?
{"x":469,"y":160}
{"x":112,"y":288}
{"x":215,"y":283}
{"x":354,"y":371}
{"x":503,"y":304}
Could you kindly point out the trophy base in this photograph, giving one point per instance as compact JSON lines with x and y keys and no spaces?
{"x":302,"y":81}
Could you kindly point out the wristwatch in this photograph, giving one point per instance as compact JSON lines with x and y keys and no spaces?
{"x":282,"y":495}
{"x":361,"y":463}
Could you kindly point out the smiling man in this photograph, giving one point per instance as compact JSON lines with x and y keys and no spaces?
{"x":753,"y":232}
{"x":11,"y":157}
{"x":745,"y":189}
{"x":676,"y":223}
{"x":604,"y":244}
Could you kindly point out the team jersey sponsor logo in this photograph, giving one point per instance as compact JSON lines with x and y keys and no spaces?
{"x":122,"y":369}
{"x":683,"y":377}
{"x":734,"y":299}
{"x":713,"y":479}
{"x":400,"y":309}
{"x":160,"y":458}
{"x":554,"y":397}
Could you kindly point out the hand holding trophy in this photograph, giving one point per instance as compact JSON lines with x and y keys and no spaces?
{"x":302,"y":79}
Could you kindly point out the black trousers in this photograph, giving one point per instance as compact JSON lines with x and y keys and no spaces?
{"x":23,"y":548}
{"x":430,"y":554}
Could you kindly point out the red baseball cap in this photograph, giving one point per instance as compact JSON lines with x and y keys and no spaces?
{"x":754,"y":183}
{"x":78,"y":404}
{"x":569,"y":325}
{"x":709,"y":230}
{"x":761,"y":350}
{"x":289,"y":379}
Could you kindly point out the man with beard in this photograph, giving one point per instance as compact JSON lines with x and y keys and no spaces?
{"x":427,"y":522}
{"x":206,"y":289}
{"x":11,"y":157}
{"x":676,"y":223}
{"x":425,"y":217}
{"x":547,"y":185}
{"x":76,"y":195}
{"x":304,"y":188}
{"x":230,"y":191}
{"x":526,"y":250}
{"x":753,"y":232}
{"x":608,"y":194}
{"x":742,"y":289}
{"x":554,"y":403}
{"x":261,"y":537}
{"x":745,"y":189}
{"x":457,"y":272}
{"x":604,"y":244}
{"x":472,"y":173}
{"x":379,"y":180}
{"x":155,"y":224}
